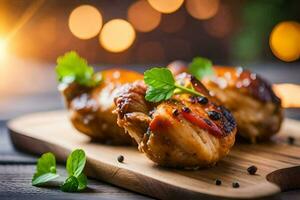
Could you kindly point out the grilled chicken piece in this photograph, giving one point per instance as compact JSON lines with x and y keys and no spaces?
{"x":184,"y":132}
{"x":91,"y":108}
{"x":249,"y":97}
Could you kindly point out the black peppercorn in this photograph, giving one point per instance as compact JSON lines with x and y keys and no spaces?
{"x":186,"y":109}
{"x":252,"y":170}
{"x":218,"y":182}
{"x":120,"y":158}
{"x":175,"y":112}
{"x":291,"y":140}
{"x":214,"y":115}
{"x":235,"y":185}
{"x":202,"y":100}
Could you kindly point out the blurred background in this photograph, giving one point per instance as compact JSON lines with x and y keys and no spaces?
{"x":263,"y":35}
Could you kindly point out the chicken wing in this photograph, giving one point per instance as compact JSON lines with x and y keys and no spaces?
{"x":248,"y":96}
{"x":91,"y":108}
{"x":185,"y":131}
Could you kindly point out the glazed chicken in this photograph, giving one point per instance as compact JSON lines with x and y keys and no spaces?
{"x":184,"y":132}
{"x":91,"y":108}
{"x":249,"y":97}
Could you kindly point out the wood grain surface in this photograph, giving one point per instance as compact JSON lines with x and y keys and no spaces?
{"x":17,"y":169}
{"x":277,"y":161}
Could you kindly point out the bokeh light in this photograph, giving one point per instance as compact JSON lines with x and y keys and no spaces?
{"x":143,"y":17}
{"x":85,"y":22}
{"x":285,"y":41}
{"x":166,"y":6}
{"x":289,"y":94}
{"x":202,"y":9}
{"x":117,"y":35}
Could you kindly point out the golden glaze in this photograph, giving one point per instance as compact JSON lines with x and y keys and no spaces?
{"x":173,"y":140}
{"x":247,"y":82}
{"x":91,"y":108}
{"x":248,"y":96}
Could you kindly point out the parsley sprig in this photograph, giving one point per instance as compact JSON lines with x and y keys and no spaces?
{"x":200,"y":67}
{"x":46,"y":171}
{"x":73,"y":68}
{"x":162,"y":85}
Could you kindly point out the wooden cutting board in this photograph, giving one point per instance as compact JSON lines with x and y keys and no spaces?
{"x":278,"y":162}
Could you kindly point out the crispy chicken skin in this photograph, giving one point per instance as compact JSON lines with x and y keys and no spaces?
{"x":249,"y":97}
{"x":91,"y":108}
{"x":177,"y":132}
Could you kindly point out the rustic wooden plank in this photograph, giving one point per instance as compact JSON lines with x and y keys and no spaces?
{"x":53,"y":132}
{"x":17,"y":168}
{"x":16,"y":184}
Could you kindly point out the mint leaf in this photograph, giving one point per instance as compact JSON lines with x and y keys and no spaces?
{"x":44,"y":178}
{"x":76,"y":162}
{"x":200,"y":67}
{"x":82,"y":180}
{"x":45,"y":169}
{"x":46,"y":163}
{"x":72,"y":68}
{"x":70,"y":185}
{"x":161,"y":84}
{"x":75,"y":165}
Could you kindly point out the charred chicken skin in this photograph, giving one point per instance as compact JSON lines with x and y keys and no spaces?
{"x":249,"y":97}
{"x":185,"y":131}
{"x":91,"y":108}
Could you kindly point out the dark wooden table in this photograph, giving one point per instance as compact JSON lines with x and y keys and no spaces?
{"x":17,"y":168}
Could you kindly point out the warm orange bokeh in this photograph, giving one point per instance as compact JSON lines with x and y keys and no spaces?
{"x":285,"y":41}
{"x":289,"y":94}
{"x":143,"y":17}
{"x":3,"y":46}
{"x":202,"y":9}
{"x":166,"y":6}
{"x":117,"y":35}
{"x":85,"y":22}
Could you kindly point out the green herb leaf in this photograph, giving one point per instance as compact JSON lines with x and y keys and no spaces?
{"x":45,"y":170}
{"x":43,"y":179}
{"x":82,"y":180}
{"x":76,"y":162}
{"x":158,"y":94}
{"x":70,"y":185}
{"x":75,"y":165}
{"x":200,"y":67}
{"x":72,"y":68}
{"x":161,"y":85}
